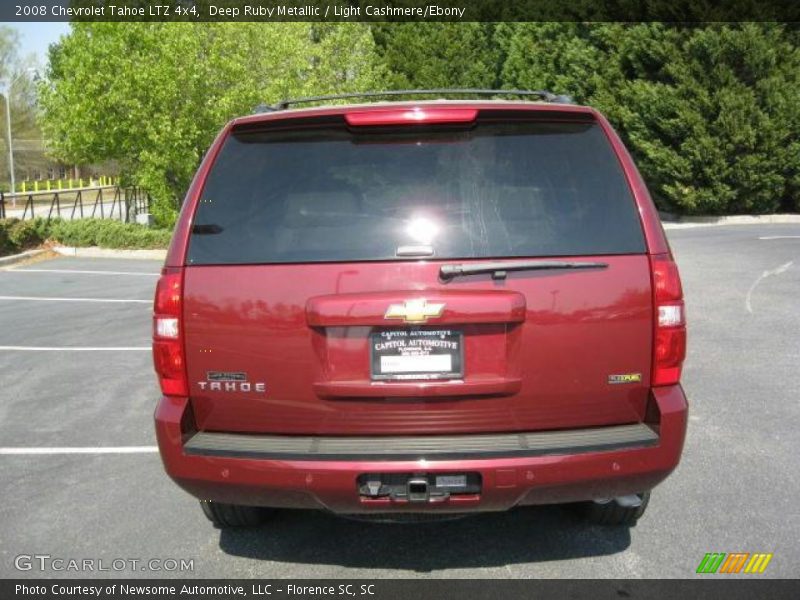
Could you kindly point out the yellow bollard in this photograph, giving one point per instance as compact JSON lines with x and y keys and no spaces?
{"x":23,"y":187}
{"x":59,"y":184}
{"x":48,"y":185}
{"x":69,"y":183}
{"x":35,"y":185}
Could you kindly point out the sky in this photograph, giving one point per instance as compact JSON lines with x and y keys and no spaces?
{"x":36,"y":37}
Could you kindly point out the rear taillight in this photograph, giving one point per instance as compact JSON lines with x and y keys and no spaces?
{"x":168,"y":355}
{"x":670,"y":328}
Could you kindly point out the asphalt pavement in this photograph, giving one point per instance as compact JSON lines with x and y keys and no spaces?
{"x":736,"y":489}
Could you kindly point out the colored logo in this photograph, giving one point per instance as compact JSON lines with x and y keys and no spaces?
{"x":415,"y":311}
{"x":735,"y":562}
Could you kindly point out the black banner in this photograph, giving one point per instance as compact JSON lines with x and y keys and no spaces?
{"x":684,"y":11}
{"x":418,"y":589}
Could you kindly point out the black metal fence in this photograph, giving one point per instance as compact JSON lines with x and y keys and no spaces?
{"x":98,"y":202}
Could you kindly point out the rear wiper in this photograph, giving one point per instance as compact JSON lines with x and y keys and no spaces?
{"x":499,"y":270}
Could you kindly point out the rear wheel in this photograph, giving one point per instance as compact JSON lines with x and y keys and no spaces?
{"x":615,"y":512}
{"x":233,"y":515}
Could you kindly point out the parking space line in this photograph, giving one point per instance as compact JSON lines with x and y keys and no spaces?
{"x":79,"y":272}
{"x":780,"y":237}
{"x":768,"y":273}
{"x":78,"y":348}
{"x":84,"y":450}
{"x":51,"y":299}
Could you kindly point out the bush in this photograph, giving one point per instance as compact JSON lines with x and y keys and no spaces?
{"x":6,"y":245}
{"x":108,"y":234}
{"x":27,"y":234}
{"x":42,"y":227}
{"x":126,"y":235}
{"x":16,"y":235}
{"x":76,"y":233}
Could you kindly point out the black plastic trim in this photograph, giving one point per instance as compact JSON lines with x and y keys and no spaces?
{"x":542,"y":95}
{"x":284,"y":447}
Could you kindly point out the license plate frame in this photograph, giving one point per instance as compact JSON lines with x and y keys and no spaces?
{"x":412,"y":365}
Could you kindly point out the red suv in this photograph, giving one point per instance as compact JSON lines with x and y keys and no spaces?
{"x":419,"y":307}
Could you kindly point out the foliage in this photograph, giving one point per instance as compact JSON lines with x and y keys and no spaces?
{"x":108,"y":233}
{"x":6,"y":245}
{"x":26,"y":134}
{"x":27,"y":234}
{"x":436,"y":55}
{"x":153,"y":95}
{"x":710,"y":111}
{"x":16,"y":235}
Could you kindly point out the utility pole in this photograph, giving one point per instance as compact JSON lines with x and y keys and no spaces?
{"x":7,"y":95}
{"x":10,"y":150}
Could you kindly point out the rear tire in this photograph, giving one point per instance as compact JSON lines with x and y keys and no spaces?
{"x":224,"y":516}
{"x":612,"y":514}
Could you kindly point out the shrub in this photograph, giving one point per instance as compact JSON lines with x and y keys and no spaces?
{"x":76,"y":233}
{"x":6,"y":245}
{"x":42,"y":227}
{"x":26,"y":234}
{"x":108,"y":234}
{"x":127,"y":235}
{"x":16,"y":235}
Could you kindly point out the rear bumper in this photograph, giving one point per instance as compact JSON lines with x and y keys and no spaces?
{"x":515,"y":469}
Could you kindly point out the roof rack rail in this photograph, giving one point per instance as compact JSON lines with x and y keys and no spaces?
{"x":541,"y":94}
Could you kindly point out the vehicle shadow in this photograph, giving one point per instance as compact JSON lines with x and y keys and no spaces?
{"x":523,"y":535}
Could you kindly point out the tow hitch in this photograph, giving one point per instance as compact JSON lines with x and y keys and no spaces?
{"x":418,"y":490}
{"x":417,"y":487}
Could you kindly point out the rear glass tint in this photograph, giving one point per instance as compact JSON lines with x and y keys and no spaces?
{"x":525,"y":189}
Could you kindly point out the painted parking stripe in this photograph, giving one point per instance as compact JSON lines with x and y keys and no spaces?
{"x":78,"y":348}
{"x":780,"y":237}
{"x":79,"y":272}
{"x":85,"y":450}
{"x":768,"y":273}
{"x":52,"y":299}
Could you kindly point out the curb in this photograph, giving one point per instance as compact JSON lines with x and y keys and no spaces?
{"x":95,"y":252}
{"x":686,"y":222}
{"x":7,"y":261}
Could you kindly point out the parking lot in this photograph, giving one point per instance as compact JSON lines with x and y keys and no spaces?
{"x":81,"y":478}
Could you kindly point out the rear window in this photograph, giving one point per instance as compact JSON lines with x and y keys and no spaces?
{"x":525,"y":189}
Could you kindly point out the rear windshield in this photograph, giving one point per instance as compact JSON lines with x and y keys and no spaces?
{"x":491,"y":191}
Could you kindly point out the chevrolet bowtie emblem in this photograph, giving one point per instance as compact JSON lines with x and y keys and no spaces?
{"x":415,"y":311}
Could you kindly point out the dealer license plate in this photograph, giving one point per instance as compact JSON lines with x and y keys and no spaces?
{"x":417,"y":354}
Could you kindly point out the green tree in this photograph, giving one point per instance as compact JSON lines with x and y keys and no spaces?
{"x":560,"y":57}
{"x":433,"y":55}
{"x":153,"y":95}
{"x":710,"y":112}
